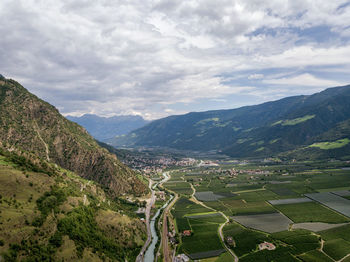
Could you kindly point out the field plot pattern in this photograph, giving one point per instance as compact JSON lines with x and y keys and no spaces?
{"x":207,"y":196}
{"x":342,"y":193}
{"x":274,"y":222}
{"x":337,"y":242}
{"x":311,"y":212}
{"x":316,"y":226}
{"x":289,"y":201}
{"x":203,"y":223}
{"x":332,"y":201}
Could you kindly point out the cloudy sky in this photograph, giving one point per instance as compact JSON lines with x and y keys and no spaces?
{"x":156,"y":58}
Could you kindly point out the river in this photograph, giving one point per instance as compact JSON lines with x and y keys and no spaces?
{"x":149,"y":254}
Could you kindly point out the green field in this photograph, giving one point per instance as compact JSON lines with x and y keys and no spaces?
{"x":245,"y":196}
{"x":288,"y":243}
{"x":335,"y":233}
{"x":183,"y":188}
{"x":203,"y":224}
{"x":314,"y":256}
{"x":337,"y":248}
{"x":331,"y":145}
{"x":295,"y":121}
{"x":204,"y":235}
{"x":246,"y":240}
{"x":310,"y":212}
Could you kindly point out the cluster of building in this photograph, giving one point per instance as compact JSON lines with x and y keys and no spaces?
{"x":153,"y":165}
{"x":267,"y":245}
{"x":181,"y":258}
{"x":160,"y":195}
{"x":207,"y":163}
{"x":230,"y":241}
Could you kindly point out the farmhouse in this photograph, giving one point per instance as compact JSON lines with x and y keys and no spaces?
{"x":173,"y":240}
{"x":186,"y":233}
{"x":267,"y":245}
{"x":181,"y":258}
{"x":160,"y":195}
{"x":230,"y":241}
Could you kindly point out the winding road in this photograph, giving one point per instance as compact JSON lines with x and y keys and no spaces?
{"x":221,"y":226}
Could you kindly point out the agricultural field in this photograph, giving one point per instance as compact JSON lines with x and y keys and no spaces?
{"x":310,"y":212}
{"x":337,"y":248}
{"x":317,"y":226}
{"x":274,"y":222}
{"x":315,"y":256}
{"x":274,"y":203}
{"x":179,"y":187}
{"x":332,"y":201}
{"x":290,"y":201}
{"x":287,"y":243}
{"x":203,"y":223}
{"x":337,"y":241}
{"x":207,"y":196}
{"x":342,"y":193}
{"x":184,"y":208}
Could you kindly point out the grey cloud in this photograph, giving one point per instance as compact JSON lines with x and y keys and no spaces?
{"x":113,"y":57}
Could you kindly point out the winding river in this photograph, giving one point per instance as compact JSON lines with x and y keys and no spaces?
{"x":149,"y":254}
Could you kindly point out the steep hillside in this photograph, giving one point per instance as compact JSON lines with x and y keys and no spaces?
{"x":103,"y":128}
{"x":51,"y":214}
{"x":260,"y":130}
{"x":335,"y":143}
{"x":30,"y":124}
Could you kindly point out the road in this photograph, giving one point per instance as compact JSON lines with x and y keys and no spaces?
{"x":223,"y":238}
{"x":221,"y":226}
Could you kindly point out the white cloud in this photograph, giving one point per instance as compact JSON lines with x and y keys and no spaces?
{"x":255,"y":76}
{"x":117,"y":57}
{"x":303,"y":80}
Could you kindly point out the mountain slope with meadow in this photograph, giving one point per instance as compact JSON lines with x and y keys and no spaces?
{"x":252,"y":131}
{"x":50,"y":214}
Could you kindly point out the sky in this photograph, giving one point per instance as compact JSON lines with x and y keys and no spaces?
{"x":157,"y":58}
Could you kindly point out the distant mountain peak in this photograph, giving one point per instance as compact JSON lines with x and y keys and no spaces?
{"x":104,"y":128}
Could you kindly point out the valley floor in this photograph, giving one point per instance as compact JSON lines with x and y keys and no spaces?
{"x":263,"y":212}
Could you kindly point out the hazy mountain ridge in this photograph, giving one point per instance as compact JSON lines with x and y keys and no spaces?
{"x":31,"y":124}
{"x":262,"y":130}
{"x":103,"y":128}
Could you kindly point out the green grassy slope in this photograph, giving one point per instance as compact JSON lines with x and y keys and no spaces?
{"x":51,"y":214}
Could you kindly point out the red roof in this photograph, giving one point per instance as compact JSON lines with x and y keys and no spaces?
{"x":186,"y":232}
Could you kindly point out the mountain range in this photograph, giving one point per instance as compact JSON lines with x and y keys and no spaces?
{"x":103,"y":128}
{"x":307,"y":123}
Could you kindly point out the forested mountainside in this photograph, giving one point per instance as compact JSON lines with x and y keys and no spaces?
{"x":252,"y":131}
{"x":30,"y":124}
